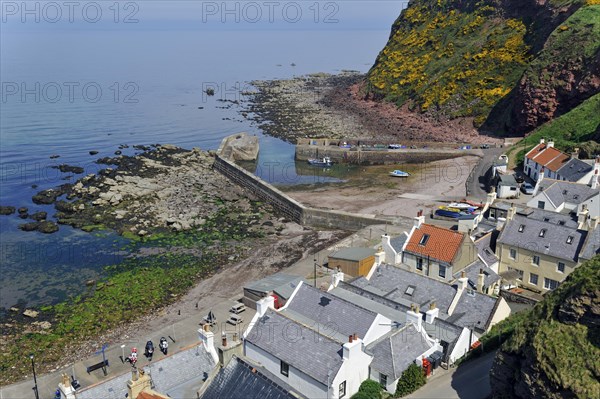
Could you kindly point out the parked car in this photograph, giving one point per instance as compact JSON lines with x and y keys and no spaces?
{"x":519,"y":178}
{"x":235,"y":319}
{"x":237,"y":308}
{"x":527,"y":188}
{"x":484,"y":146}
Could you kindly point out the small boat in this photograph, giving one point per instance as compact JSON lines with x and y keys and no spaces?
{"x":325,"y":161}
{"x":399,"y":173}
{"x":448,"y":213}
{"x":459,"y":205}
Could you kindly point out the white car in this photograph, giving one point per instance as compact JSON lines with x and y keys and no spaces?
{"x":234,"y":319}
{"x":527,"y":188}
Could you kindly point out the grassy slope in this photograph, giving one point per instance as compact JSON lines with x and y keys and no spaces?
{"x":461,"y":60}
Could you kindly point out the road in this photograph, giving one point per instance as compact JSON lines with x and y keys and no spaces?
{"x":470,"y":380}
{"x":476,"y":189}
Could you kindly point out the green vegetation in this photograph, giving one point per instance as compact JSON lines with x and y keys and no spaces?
{"x":369,"y":389}
{"x":412,"y":379}
{"x":560,"y":333}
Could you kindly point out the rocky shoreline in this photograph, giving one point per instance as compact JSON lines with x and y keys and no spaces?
{"x":334,"y":106}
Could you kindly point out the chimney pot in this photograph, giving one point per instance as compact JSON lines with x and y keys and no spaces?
{"x":480,"y":271}
{"x":432,"y":305}
{"x":463,"y":274}
{"x":224,"y":340}
{"x":355,"y":337}
{"x":350,"y":338}
{"x":235,"y":337}
{"x":205,"y":327}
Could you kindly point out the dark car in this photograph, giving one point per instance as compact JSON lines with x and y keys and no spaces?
{"x":149,"y":350}
{"x":519,"y":178}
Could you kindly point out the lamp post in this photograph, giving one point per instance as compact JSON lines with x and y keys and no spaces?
{"x":315,"y":276}
{"x":35,"y":387}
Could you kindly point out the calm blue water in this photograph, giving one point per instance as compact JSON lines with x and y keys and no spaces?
{"x":94,"y":89}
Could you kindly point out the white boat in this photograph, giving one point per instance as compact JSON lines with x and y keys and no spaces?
{"x":399,"y":173}
{"x":325,"y":161}
{"x":459,"y":205}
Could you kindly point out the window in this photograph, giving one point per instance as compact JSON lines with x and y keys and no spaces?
{"x":342,"y":390}
{"x":561,"y":267}
{"x":570,"y":240}
{"x":535,"y":260}
{"x":284,"y":368}
{"x":410,"y":290}
{"x":521,"y":228}
{"x":442,"y":271}
{"x":383,"y":380}
{"x":419,"y":263}
{"x":561,"y":222}
{"x":546,"y":219}
{"x":533,"y":279}
{"x":424,"y":239}
{"x":513,"y":253}
{"x":550,"y":284}
{"x":542,"y":232}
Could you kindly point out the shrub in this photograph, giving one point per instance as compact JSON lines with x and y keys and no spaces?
{"x":412,"y":379}
{"x":369,"y":389}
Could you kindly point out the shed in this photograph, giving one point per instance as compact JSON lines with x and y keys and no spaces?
{"x":280,"y":284}
{"x":353,"y":261}
{"x":507,"y":186}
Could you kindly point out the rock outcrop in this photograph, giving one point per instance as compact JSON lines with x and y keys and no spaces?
{"x":554,"y":353}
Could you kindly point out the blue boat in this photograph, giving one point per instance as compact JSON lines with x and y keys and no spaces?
{"x":448,"y":214}
{"x":399,"y":173}
{"x":325,"y":161}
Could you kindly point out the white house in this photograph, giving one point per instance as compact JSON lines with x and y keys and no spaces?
{"x":556,"y":164}
{"x":562,"y":196}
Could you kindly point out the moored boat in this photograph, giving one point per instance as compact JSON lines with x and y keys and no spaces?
{"x":325,"y":161}
{"x":399,"y":173}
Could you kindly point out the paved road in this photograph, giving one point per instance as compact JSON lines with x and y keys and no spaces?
{"x":471,"y":380}
{"x":476,"y":188}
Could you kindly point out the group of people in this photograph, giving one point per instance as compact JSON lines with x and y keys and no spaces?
{"x":149,"y":351}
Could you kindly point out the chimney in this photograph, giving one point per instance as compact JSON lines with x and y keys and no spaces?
{"x":414,"y":316}
{"x":542,"y":174}
{"x":510,"y":214}
{"x":491,"y":197}
{"x":207,"y":338}
{"x":551,"y":143}
{"x":224,"y":340}
{"x":463,"y":281}
{"x":352,"y":347}
{"x":228,"y":349}
{"x":575,"y":153}
{"x":542,"y":141}
{"x":137,"y":383}
{"x":480,"y":280}
{"x":336,"y":277}
{"x":264,"y":304}
{"x":594,"y":223}
{"x":596,"y":176}
{"x":582,"y":217}
{"x":420,"y":219}
{"x":380,"y":256}
{"x":432,"y":313}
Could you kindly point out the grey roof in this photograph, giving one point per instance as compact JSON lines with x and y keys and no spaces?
{"x":507,"y":180}
{"x":241,"y":379}
{"x":560,"y":192}
{"x":484,"y":249}
{"x":281,"y":283}
{"x":554,"y":243}
{"x":574,"y":169}
{"x":473,"y":310}
{"x":562,"y":219}
{"x":392,"y":282}
{"x":301,"y":347}
{"x":179,"y":375}
{"x":354,"y":254}
{"x":592,"y":245}
{"x":395,"y":351}
{"x":398,"y":242}
{"x":331,"y":311}
{"x":472,"y":272}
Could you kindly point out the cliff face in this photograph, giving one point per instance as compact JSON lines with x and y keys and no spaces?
{"x":555,"y":353}
{"x":511,"y":64}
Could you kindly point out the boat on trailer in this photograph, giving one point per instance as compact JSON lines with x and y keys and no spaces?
{"x":325,"y":161}
{"x":399,"y":173}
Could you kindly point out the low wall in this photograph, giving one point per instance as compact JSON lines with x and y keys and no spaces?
{"x":514,"y":297}
{"x":379,"y":157}
{"x":342,"y":220}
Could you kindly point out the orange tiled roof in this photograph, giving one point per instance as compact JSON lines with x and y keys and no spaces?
{"x":149,"y":395}
{"x":443,"y":244}
{"x":550,"y":158}
{"x":535,"y":150}
{"x":558,"y":162}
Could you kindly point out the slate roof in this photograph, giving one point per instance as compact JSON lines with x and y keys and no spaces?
{"x":392,"y":282}
{"x":484,"y":249}
{"x":507,"y":180}
{"x":398,"y":242}
{"x":559,"y":191}
{"x":353,"y":254}
{"x":472,"y":272}
{"x":281,"y":283}
{"x":553,"y":243}
{"x":331,"y":311}
{"x":574,"y":169}
{"x":592,"y":245}
{"x":177,"y":375}
{"x":240,"y":379}
{"x":298,"y":345}
{"x":443,"y":244}
{"x":395,"y":351}
{"x":543,"y":215}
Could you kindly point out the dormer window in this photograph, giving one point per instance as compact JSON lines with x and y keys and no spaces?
{"x":561,"y":222}
{"x":542,"y":232}
{"x":424,"y":239}
{"x":576,"y":197}
{"x":569,"y":239}
{"x":546,"y":219}
{"x":521,"y":228}
{"x":410,"y":290}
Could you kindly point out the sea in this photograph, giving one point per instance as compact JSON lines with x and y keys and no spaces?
{"x":96,"y":76}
